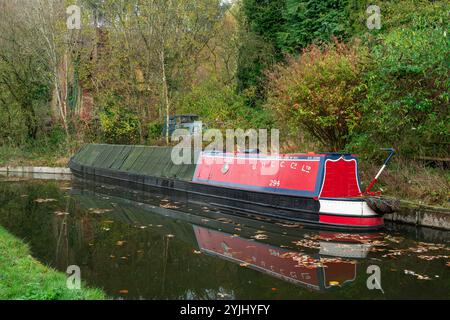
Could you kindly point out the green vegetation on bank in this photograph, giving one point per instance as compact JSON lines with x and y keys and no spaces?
{"x":22,"y":277}
{"x":311,"y":68}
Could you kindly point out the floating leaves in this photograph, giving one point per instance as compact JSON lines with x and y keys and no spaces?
{"x":425,"y":247}
{"x":308,"y":262}
{"x":307,"y":244}
{"x":422,"y":247}
{"x":120,"y":243}
{"x":431,"y":258}
{"x":289,"y":255}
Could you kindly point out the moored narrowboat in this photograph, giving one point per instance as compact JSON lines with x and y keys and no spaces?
{"x":320,"y":189}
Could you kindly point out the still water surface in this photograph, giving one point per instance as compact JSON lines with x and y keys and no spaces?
{"x":148,"y":246}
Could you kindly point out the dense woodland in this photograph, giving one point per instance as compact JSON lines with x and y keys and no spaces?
{"x":311,"y":68}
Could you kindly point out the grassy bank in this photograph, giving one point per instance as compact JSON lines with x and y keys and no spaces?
{"x":37,"y":157}
{"x":410,"y":181}
{"x":22,"y":277}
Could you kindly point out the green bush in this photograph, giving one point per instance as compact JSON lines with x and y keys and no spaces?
{"x":219,"y":106}
{"x":312,"y":21}
{"x":407,"y":103}
{"x":155,"y":130}
{"x":119,"y":124}
{"x":320,"y":93}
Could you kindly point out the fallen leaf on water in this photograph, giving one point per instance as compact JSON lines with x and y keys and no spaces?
{"x":289,"y":255}
{"x":418,"y":276}
{"x":394,"y":239}
{"x":307,"y":244}
{"x":168,"y":206}
{"x":274,"y":289}
{"x":99,"y":211}
{"x":260,"y":237}
{"x":123,"y":291}
{"x":61,"y":213}
{"x":244,"y":264}
{"x":197,"y":252}
{"x":120,"y":243}
{"x":170,"y":236}
{"x":45,"y":200}
{"x":393,"y":253}
{"x":289,"y":225}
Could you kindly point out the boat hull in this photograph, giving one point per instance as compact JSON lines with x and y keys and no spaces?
{"x":306,"y":210}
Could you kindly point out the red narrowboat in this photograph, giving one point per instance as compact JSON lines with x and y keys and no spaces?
{"x":320,"y":189}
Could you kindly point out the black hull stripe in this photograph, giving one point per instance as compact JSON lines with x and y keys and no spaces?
{"x":283,"y":207}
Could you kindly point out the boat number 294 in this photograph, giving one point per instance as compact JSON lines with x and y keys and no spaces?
{"x":275,"y":183}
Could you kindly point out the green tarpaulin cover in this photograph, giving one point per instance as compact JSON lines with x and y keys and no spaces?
{"x":151,"y":161}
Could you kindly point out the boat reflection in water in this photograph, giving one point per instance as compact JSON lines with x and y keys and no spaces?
{"x":317,"y":260}
{"x":319,"y":271}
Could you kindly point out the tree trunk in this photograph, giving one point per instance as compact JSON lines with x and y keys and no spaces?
{"x":165,"y":93}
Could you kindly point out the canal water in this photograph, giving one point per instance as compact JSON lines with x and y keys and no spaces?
{"x":149,"y":246}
